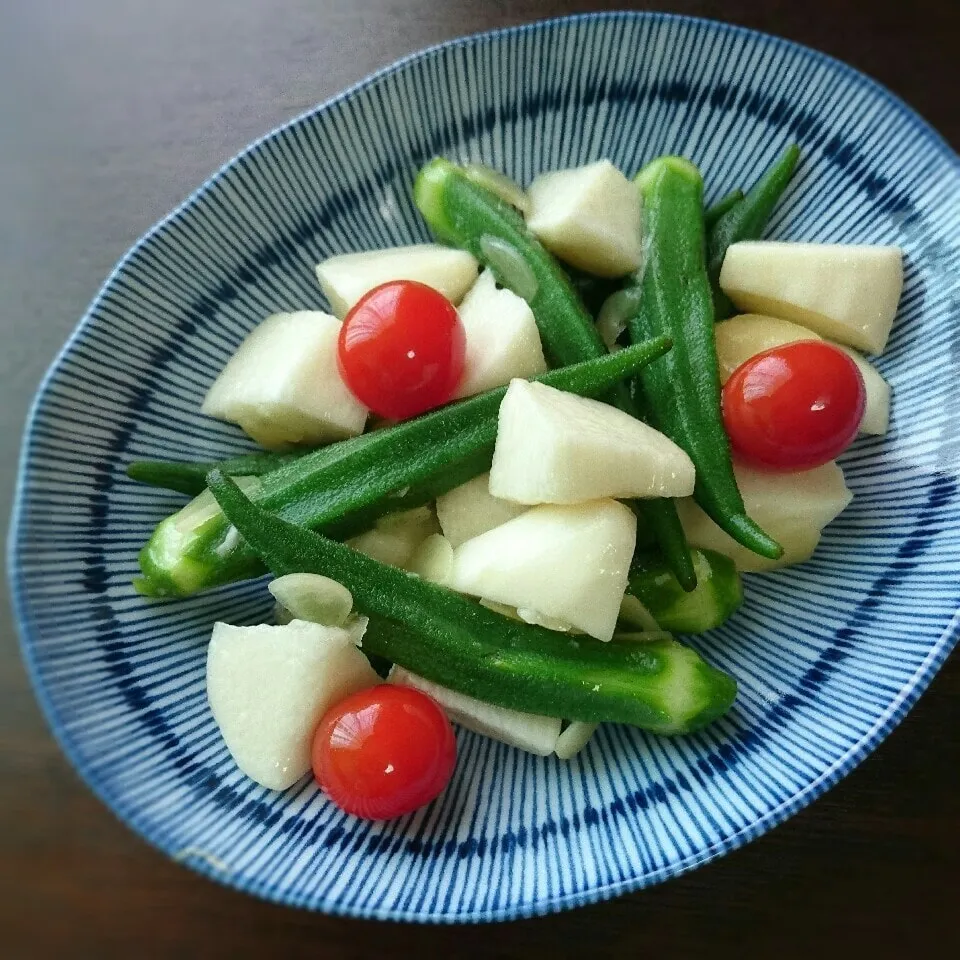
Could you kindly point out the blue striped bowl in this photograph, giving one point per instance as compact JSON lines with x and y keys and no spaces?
{"x":829,"y":655}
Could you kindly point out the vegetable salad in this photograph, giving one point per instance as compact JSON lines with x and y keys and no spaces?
{"x":512,"y":464}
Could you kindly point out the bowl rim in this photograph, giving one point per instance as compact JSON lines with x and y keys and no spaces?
{"x":884,"y":724}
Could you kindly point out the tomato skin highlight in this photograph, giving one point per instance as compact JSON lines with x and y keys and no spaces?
{"x":401,"y":349}
{"x":384,"y":752}
{"x":794,"y":407}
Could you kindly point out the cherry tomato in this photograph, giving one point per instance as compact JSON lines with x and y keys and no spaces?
{"x":401,"y":349}
{"x":794,"y":407}
{"x":384,"y":751}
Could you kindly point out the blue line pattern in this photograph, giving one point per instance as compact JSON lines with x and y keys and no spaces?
{"x":830,"y":655}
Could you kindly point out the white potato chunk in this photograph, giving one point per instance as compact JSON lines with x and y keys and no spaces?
{"x":527,"y":731}
{"x":282,"y":386}
{"x":554,"y":447}
{"x":876,"y":414}
{"x":433,"y":559}
{"x":395,"y":538}
{"x":502,"y":340}
{"x":589,"y":217}
{"x":269,"y":686}
{"x":792,"y":507}
{"x":744,"y":336}
{"x":566,"y":562}
{"x":470,"y":509}
{"x":347,"y":277}
{"x":846,"y":293}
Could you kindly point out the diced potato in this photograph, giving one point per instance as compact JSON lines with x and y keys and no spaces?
{"x":528,"y":731}
{"x":269,"y":686}
{"x":554,"y":447}
{"x":282,"y":386}
{"x":876,"y":414}
{"x":433,"y":559}
{"x":744,"y":336}
{"x":566,"y":562}
{"x":502,"y":338}
{"x":396,"y":537}
{"x":347,"y":277}
{"x":470,"y":509}
{"x":846,"y":293}
{"x":792,"y":507}
{"x":590,"y":217}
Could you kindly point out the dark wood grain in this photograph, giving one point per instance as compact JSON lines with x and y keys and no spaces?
{"x":111,"y":112}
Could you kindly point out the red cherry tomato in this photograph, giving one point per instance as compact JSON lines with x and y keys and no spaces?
{"x":383,"y":752}
{"x":401,"y":349}
{"x":794,"y":407}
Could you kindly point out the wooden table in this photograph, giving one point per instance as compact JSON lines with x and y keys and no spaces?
{"x":112,"y":111}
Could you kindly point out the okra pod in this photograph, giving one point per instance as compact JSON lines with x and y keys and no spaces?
{"x":342,"y":489}
{"x":683,"y":389}
{"x":718,"y":595}
{"x":713,"y":214}
{"x":451,"y":640}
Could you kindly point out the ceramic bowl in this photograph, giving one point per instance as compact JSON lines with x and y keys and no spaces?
{"x":830,"y":655}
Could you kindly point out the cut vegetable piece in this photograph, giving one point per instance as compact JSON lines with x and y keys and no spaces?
{"x":529,"y":732}
{"x":282,"y":386}
{"x":744,"y":336}
{"x":795,"y":507}
{"x":344,"y":279}
{"x":502,"y":338}
{"x":269,"y":686}
{"x":847,"y":293}
{"x":567,"y":562}
{"x":395,"y":537}
{"x":588,"y":217}
{"x":876,"y":415}
{"x":556,"y":448}
{"x":719,"y":592}
{"x":311,"y":597}
{"x":433,"y":559}
{"x":470,"y":509}
{"x":574,"y":738}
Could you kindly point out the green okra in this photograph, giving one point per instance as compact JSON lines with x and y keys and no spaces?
{"x":454,"y":641}
{"x":683,"y":388}
{"x":713,"y":214}
{"x":344,"y":488}
{"x":718,"y":595}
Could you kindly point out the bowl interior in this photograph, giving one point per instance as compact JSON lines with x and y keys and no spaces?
{"x":829,"y":655}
